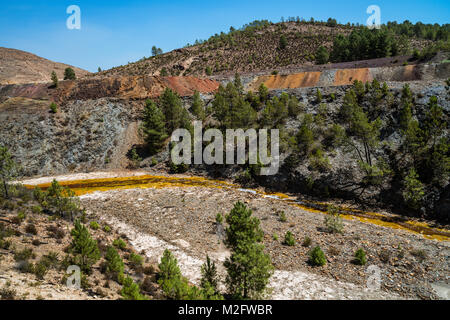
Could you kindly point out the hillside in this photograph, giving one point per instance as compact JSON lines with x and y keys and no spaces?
{"x":17,"y":67}
{"x":260,"y":46}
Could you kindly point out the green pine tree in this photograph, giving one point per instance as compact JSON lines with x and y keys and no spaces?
{"x":83,"y":248}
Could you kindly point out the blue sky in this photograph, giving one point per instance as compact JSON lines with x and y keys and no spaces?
{"x":117,"y":32}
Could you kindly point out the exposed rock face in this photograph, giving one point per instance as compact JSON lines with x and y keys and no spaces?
{"x":22,"y":67}
{"x":133,"y":88}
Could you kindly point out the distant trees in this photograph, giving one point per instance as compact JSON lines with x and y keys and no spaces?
{"x":283,"y":42}
{"x":69,"y":74}
{"x":363,"y":44}
{"x":322,"y":55}
{"x":156,"y":51}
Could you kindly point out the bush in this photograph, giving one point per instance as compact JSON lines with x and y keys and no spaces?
{"x":131,"y":290}
{"x":219,"y":218}
{"x":136,"y":260}
{"x":333,"y":221}
{"x":107,"y":229}
{"x":317,"y":257}
{"x":94,"y":225}
{"x":360,"y":257}
{"x":53,"y":107}
{"x":307,"y":242}
{"x":289,"y":239}
{"x":54,"y":78}
{"x":24,"y":255}
{"x":119,"y":243}
{"x":31,"y":229}
{"x":283,"y":217}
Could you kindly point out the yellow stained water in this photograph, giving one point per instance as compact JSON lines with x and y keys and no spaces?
{"x":81,"y":187}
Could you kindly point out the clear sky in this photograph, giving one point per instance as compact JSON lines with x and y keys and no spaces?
{"x":117,"y":32}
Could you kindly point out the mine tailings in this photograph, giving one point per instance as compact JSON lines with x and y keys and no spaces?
{"x":82,"y":187}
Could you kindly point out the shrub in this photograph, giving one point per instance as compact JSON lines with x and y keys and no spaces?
{"x":24,"y":255}
{"x":333,"y":221}
{"x":36,"y":209}
{"x":107,"y":229}
{"x":360,"y":257}
{"x":94,"y":225}
{"x":283,"y":217}
{"x":119,"y":243}
{"x":317,"y":257}
{"x":31,"y":229}
{"x":219,"y":218}
{"x":136,"y":260}
{"x":307,"y":242}
{"x":318,"y":96}
{"x":289,"y":239}
{"x":420,"y":254}
{"x":53,"y":107}
{"x":56,"y":232}
{"x":275,"y":237}
{"x":131,"y":291}
{"x":208,"y":71}
{"x":7,"y":293}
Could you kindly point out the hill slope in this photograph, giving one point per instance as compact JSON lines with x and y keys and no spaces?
{"x":260,"y":46}
{"x":18,"y":67}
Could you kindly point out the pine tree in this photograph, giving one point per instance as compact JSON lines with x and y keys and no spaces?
{"x":8,"y":169}
{"x":413,"y":192}
{"x":209,"y":276}
{"x":153,"y":126}
{"x":114,"y":264}
{"x":69,"y":74}
{"x":54,"y":79}
{"x":322,"y":55}
{"x":83,"y":248}
{"x":198,"y":106}
{"x":248,"y":268}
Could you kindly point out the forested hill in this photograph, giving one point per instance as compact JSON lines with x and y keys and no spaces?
{"x":267,"y":46}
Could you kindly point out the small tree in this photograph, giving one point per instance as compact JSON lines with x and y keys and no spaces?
{"x":283,"y":42}
{"x":289,"y":239}
{"x":69,"y":74}
{"x":360,"y":257}
{"x":249,"y":268}
{"x":131,"y":290}
{"x":317,"y":257}
{"x":83,"y":248}
{"x":153,"y":126}
{"x":209,"y":280}
{"x":54,"y":79}
{"x":198,"y":107}
{"x":333,"y":221}
{"x":322,"y":55}
{"x":114,"y":264}
{"x":8,"y":169}
{"x":413,"y":191}
{"x":53,"y":107}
